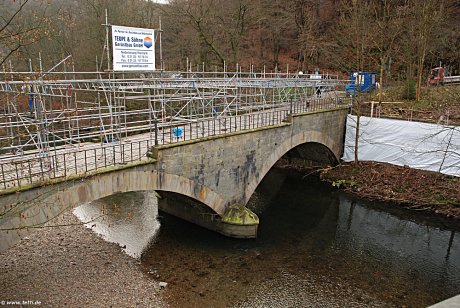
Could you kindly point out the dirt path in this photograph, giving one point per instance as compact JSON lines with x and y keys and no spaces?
{"x":71,"y":266}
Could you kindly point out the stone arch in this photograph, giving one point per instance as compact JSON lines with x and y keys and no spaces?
{"x":283,"y":148}
{"x":142,"y":179}
{"x":37,"y":206}
{"x":194,"y":190}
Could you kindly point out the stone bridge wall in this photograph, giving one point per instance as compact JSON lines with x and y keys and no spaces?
{"x":219,"y":171}
{"x":232,"y":166}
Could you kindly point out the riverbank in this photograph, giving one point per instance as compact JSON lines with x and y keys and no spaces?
{"x":412,"y":189}
{"x":72,"y":266}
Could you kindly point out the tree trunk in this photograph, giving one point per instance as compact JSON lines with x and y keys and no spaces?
{"x":382,"y":63}
{"x":421,"y":63}
{"x":358,"y":118}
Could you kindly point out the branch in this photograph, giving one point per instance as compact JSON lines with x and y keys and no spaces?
{"x":9,"y":54}
{"x":14,"y":15}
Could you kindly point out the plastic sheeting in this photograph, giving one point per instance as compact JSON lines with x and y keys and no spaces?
{"x":417,"y":145}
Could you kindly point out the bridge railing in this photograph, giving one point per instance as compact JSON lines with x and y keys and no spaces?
{"x":219,"y":126}
{"x":249,"y":120}
{"x":64,"y":163}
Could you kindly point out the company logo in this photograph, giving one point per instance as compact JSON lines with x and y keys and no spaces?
{"x":148,"y":42}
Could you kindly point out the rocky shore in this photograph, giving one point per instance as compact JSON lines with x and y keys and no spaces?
{"x":72,"y":266}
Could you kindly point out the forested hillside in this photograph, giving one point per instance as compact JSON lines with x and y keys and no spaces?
{"x":400,"y":39}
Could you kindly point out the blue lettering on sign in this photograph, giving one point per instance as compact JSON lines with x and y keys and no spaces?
{"x":136,"y":40}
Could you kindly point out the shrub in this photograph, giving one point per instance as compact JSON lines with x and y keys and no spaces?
{"x":409,"y":90}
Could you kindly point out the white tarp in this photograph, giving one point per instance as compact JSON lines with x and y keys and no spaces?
{"x":415,"y":144}
{"x":133,"y":49}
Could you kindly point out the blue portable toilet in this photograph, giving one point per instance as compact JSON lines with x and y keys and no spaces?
{"x":361,"y":82}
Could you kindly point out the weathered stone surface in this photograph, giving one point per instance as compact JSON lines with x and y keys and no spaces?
{"x":238,"y":214}
{"x":218,"y":171}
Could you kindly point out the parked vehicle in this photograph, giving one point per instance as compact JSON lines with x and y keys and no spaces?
{"x":441,"y":75}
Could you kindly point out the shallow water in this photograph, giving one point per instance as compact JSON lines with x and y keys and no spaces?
{"x":128,"y":219}
{"x":316,"y":247}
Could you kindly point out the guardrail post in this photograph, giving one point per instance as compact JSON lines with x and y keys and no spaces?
{"x":30,"y":172}
{"x":75,"y":162}
{"x":105,"y":157}
{"x":3,"y":177}
{"x":139,"y":145}
{"x":17,"y":174}
{"x":156,"y":131}
{"x":86,"y":164}
{"x":65,"y":166}
{"x":131,"y":149}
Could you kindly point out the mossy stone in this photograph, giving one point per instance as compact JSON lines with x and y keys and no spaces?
{"x":240,"y":215}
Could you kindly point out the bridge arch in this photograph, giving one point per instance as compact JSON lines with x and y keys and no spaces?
{"x":298,"y":139}
{"x":142,"y":179}
{"x":39,"y":205}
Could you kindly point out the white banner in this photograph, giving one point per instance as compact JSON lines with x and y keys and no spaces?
{"x":418,"y":145}
{"x":133,"y":49}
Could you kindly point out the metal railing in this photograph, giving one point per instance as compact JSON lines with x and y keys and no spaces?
{"x":65,"y":163}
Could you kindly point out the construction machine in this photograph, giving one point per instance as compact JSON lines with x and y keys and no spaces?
{"x":441,"y":75}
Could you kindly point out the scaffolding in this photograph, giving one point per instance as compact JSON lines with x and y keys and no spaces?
{"x":45,"y":117}
{"x":40,"y":114}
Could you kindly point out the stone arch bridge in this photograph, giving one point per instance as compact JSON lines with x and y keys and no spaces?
{"x":221,"y":172}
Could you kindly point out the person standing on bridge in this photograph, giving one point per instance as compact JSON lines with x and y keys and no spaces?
{"x":317,"y":77}
{"x":30,"y":90}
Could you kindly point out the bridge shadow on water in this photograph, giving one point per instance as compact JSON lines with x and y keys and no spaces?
{"x":315,"y":246}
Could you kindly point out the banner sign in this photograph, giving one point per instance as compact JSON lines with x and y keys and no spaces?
{"x":133,"y":49}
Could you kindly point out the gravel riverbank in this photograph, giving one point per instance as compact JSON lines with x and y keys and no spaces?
{"x":72,"y":266}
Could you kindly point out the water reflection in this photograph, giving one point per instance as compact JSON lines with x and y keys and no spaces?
{"x":427,"y":253}
{"x":315,"y":247}
{"x":129,"y":219}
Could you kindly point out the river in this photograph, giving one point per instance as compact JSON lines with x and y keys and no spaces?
{"x":315,"y":247}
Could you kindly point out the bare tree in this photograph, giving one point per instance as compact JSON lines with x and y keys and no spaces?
{"x":389,"y":17}
{"x":218,"y":25}
{"x":315,"y":21}
{"x":277,"y":31}
{"x":427,"y":18}
{"x":355,"y":30}
{"x":22,"y":23}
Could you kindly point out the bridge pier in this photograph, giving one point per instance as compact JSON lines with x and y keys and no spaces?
{"x":237,"y":222}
